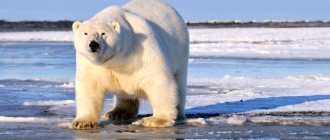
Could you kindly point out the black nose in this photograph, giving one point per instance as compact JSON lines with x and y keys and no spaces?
{"x":94,"y":46}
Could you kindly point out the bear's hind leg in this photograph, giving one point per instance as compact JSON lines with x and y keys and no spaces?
{"x":181,"y":79}
{"x":125,"y":110}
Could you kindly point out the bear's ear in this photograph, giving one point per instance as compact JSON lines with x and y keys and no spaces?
{"x":76,"y":25}
{"x":116,"y":26}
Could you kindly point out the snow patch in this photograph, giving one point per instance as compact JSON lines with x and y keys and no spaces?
{"x":197,"y":121}
{"x":270,"y":43}
{"x":298,"y":121}
{"x":67,"y":85}
{"x":247,"y":94}
{"x":38,"y":36}
{"x":279,"y":43}
{"x":22,"y":119}
{"x":48,"y":103}
{"x":309,"y":78}
{"x":237,"y":120}
{"x":65,"y":125}
{"x":320,"y":105}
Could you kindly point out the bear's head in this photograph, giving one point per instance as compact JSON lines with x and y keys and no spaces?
{"x":97,"y":40}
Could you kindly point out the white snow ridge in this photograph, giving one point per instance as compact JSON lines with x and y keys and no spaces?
{"x":22,"y":119}
{"x":48,"y":103}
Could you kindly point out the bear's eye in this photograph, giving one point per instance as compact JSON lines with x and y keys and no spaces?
{"x":85,"y":33}
{"x":103,"y":34}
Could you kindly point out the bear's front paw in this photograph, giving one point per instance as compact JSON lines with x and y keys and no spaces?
{"x":84,"y":125}
{"x":121,"y":116}
{"x":155,"y":122}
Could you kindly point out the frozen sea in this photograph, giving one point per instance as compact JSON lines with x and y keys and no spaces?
{"x":246,"y":83}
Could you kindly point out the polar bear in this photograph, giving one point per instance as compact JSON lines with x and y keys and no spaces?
{"x":139,"y":50}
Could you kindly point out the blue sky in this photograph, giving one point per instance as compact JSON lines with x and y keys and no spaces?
{"x":192,"y":10}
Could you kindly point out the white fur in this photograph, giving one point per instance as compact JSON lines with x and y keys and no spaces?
{"x":143,"y":54}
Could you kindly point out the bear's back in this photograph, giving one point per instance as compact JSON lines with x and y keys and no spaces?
{"x":161,"y":14}
{"x":167,"y":21}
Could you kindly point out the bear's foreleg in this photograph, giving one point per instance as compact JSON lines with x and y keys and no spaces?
{"x":89,"y":102}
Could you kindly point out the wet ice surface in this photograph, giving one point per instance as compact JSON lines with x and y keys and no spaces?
{"x":284,"y":93}
{"x":51,"y":131}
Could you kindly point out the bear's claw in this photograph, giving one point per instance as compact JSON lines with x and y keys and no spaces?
{"x":84,"y":125}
